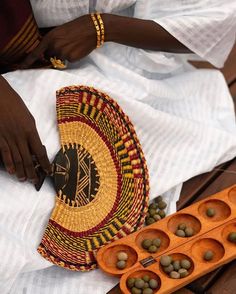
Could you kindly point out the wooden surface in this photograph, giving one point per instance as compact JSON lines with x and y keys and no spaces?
{"x":222,"y":280}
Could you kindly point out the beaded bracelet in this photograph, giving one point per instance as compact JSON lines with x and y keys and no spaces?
{"x":100,"y":30}
{"x":99,"y":18}
{"x":97,"y":30}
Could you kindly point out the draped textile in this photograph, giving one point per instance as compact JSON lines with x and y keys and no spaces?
{"x":19,"y":33}
{"x":184,"y":119}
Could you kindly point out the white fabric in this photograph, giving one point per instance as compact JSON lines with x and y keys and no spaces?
{"x":207,"y":27}
{"x":184,"y":119}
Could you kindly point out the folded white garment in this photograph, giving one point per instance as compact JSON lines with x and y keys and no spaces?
{"x":184,"y":119}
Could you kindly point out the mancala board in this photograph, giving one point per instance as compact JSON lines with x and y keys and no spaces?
{"x":210,"y":233}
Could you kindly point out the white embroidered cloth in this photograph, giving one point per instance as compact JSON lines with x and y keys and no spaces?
{"x":183,"y":117}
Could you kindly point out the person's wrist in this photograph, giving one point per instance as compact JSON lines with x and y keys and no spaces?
{"x":89,"y":25}
{"x":111,"y":27}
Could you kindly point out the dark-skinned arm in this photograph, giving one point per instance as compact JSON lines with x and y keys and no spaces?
{"x":139,"y":33}
{"x":19,"y":139}
{"x":76,"y":39}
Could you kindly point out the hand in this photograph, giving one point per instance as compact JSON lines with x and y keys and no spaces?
{"x":19,"y":139}
{"x":71,"y":41}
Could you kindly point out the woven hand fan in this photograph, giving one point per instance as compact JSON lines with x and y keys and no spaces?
{"x":101,"y":179}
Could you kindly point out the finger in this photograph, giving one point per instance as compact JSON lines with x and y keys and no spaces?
{"x":18,"y":162}
{"x":39,"y":150}
{"x":36,"y":54}
{"x":27,"y":162}
{"x":6,"y":157}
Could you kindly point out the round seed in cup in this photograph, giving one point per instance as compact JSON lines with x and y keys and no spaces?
{"x":139,"y":283}
{"x":208,"y":255}
{"x":121,"y":264}
{"x":165,"y":260}
{"x":232,"y":237}
{"x":135,"y":290}
{"x":122,"y":255}
{"x":153,"y":284}
{"x":168,"y":269}
{"x":175,"y":275}
{"x":210,"y":212}
{"x":130,"y":283}
{"x":183,"y":272}
{"x":152,"y":249}
{"x":156,"y":242}
{"x":184,"y":263}
{"x":180,"y":233}
{"x":189,"y":232}
{"x":146,"y":243}
{"x":176,"y":265}
{"x":146,"y":278}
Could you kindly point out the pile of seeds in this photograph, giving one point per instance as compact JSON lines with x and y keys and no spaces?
{"x":143,"y":285}
{"x":210,"y":212}
{"x":151,"y":245}
{"x":184,"y":231}
{"x":232,"y":237}
{"x":122,"y":258}
{"x":176,"y":269}
{"x":156,"y":211}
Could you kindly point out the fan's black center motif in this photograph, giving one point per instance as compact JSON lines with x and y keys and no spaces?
{"x":76,"y":175}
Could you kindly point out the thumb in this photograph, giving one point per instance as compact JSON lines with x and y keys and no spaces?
{"x":35,"y":54}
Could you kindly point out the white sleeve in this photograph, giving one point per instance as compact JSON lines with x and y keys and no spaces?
{"x":206,"y":27}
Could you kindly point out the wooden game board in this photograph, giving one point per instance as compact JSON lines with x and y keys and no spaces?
{"x":210,"y":234}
